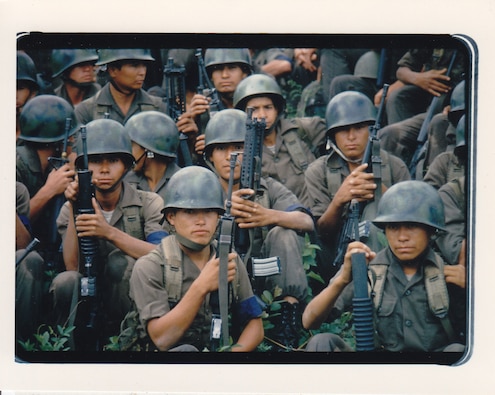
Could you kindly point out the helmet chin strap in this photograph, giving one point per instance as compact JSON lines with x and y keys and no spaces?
{"x":341,"y":154}
{"x":128,"y":93}
{"x":190,"y":244}
{"x":116,"y":184}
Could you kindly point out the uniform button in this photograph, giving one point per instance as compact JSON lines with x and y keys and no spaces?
{"x":408,"y":292}
{"x":284,"y":180}
{"x":276,"y":159}
{"x":408,"y":323}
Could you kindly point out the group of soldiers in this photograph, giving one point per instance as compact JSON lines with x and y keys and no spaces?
{"x":127,"y":193}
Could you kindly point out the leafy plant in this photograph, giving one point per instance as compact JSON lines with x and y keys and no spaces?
{"x":49,"y":340}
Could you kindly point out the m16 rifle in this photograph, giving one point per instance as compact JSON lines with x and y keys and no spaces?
{"x":54,"y":243}
{"x":88,"y":248}
{"x":372,"y":157}
{"x":175,"y":86}
{"x":220,"y":300}
{"x":206,"y":88}
{"x":421,"y":141}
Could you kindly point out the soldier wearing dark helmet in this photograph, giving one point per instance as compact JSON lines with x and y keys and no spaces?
{"x":155,"y":140}
{"x":76,"y":69}
{"x":419,"y":301}
{"x":123,"y":96}
{"x":27,"y":84}
{"x":289,"y":145}
{"x":171,"y":287}
{"x":126,"y":223}
{"x":276,"y":217}
{"x":333,"y":180}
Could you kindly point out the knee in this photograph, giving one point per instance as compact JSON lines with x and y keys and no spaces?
{"x":327,"y":342}
{"x":65,"y":284}
{"x":119,"y":266}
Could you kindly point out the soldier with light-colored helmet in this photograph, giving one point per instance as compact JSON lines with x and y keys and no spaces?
{"x":333,"y":180}
{"x":419,"y":301}
{"x":126,"y":223}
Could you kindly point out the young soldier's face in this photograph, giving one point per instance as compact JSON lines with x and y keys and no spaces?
{"x":220,"y":156}
{"x":352,"y":141}
{"x":226,"y":77}
{"x":83,"y":73}
{"x":107,"y":170}
{"x":263,"y":108}
{"x":130,"y":76}
{"x":407,"y":240}
{"x":23,"y":94}
{"x":197,"y":225}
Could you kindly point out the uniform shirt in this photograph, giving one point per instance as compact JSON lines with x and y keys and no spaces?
{"x":151,"y":205}
{"x":90,"y":91}
{"x":151,"y":297}
{"x":444,"y":168}
{"x":279,"y":164}
{"x":404,"y":319}
{"x":85,"y":111}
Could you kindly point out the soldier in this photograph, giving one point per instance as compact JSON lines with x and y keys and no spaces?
{"x":155,"y":139}
{"x":43,"y":131}
{"x":123,"y":96}
{"x":276,"y":217}
{"x":27,"y":85}
{"x":76,"y":69}
{"x":335,"y":179}
{"x":407,"y":275}
{"x":126,"y":224}
{"x":174,"y":309}
{"x":289,"y":145}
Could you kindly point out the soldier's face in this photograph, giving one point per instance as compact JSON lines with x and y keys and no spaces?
{"x":220,"y":156}
{"x":197,"y":225}
{"x":130,"y":76}
{"x":107,"y":170}
{"x":83,"y":73}
{"x":23,"y":94}
{"x":407,"y":240}
{"x":226,"y":77}
{"x":352,"y":140}
{"x":263,"y":108}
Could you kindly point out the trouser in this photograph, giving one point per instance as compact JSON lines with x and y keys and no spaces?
{"x":28,"y":296}
{"x":112,"y":290}
{"x":288,"y":245}
{"x":327,"y":342}
{"x":405,"y":102}
{"x":347,"y":82}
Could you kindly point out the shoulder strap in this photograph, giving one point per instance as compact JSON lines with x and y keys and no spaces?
{"x":296,"y":152}
{"x":172,"y":268}
{"x":333,"y":176}
{"x":133,"y":218}
{"x":377,"y":275}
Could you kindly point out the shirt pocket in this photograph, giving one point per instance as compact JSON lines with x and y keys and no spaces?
{"x":388,"y":325}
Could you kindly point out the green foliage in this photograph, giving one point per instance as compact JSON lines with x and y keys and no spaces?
{"x":49,"y":340}
{"x":292,"y":93}
{"x":114,"y":344}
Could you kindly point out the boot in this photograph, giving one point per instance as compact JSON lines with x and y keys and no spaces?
{"x":288,"y":327}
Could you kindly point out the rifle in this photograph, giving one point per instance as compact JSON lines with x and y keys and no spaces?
{"x":53,"y":238}
{"x":251,"y":178}
{"x":362,"y":304}
{"x":423,"y":132}
{"x":30,"y":247}
{"x":220,"y":299}
{"x":371,"y":155}
{"x":88,"y":249}
{"x":207,"y":90}
{"x":175,"y":86}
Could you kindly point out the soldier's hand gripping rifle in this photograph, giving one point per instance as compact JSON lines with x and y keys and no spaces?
{"x":175,"y":86}
{"x":206,"y":88}
{"x":88,"y":251}
{"x":361,"y":303}
{"x":220,"y":323}
{"x":372,"y":157}
{"x":53,"y":251}
{"x":421,"y":144}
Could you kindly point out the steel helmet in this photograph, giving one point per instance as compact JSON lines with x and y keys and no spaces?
{"x":411,"y":201}
{"x":217,"y":56}
{"x":367,"y":65}
{"x":349,"y":108}
{"x":227,"y":126}
{"x":154,"y":131}
{"x":257,"y":85}
{"x":64,"y":59}
{"x":26,"y":69}
{"x":43,"y":119}
{"x":105,"y":136}
{"x":194,"y":187}
{"x":457,"y":103}
{"x":106,"y":56}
